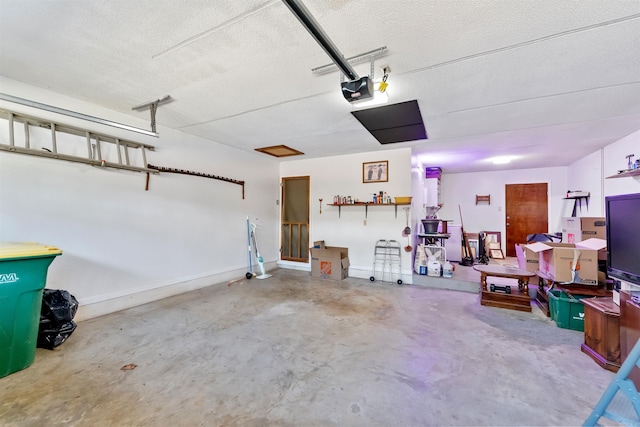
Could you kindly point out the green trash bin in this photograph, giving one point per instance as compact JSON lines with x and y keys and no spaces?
{"x":23,"y":275}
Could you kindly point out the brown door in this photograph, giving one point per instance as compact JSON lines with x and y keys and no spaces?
{"x":527,"y":212}
{"x":295,"y":219}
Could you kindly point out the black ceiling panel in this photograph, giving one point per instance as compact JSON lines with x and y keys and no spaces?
{"x":400,"y":134}
{"x":393,"y":123}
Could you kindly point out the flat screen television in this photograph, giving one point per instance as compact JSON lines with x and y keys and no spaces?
{"x":623,"y":237}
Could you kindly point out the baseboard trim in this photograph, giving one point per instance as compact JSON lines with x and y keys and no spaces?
{"x":107,"y":304}
{"x":363,"y":272}
{"x":292,"y":265}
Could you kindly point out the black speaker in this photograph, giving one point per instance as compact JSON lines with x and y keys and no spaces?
{"x":356,"y":90}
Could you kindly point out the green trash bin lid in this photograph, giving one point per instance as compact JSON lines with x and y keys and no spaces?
{"x":15,"y":250}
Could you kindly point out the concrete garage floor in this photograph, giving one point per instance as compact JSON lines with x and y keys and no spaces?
{"x":297,"y":351}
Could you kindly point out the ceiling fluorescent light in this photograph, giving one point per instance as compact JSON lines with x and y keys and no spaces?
{"x":501,"y":160}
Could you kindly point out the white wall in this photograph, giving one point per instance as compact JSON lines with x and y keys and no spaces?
{"x":342,"y":175}
{"x":462,"y":188}
{"x":592,"y":173}
{"x":586,"y":175}
{"x":614,"y":160}
{"x":122,"y":245}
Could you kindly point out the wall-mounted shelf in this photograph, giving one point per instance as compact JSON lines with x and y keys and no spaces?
{"x":483,"y":199}
{"x":632,"y":172}
{"x":577,"y":200}
{"x":366,"y":206}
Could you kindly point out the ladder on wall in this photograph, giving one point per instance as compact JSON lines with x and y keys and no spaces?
{"x":101,"y":149}
{"x":626,"y":409}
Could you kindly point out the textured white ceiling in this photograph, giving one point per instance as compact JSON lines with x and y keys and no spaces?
{"x":548,"y":81}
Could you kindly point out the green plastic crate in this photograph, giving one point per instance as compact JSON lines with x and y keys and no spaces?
{"x":567,"y":310}
{"x":552,"y":298}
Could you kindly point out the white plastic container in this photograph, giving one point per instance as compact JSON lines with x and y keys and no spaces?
{"x":433,"y":268}
{"x":447,"y":270}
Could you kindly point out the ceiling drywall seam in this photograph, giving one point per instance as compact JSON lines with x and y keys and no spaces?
{"x":215,"y":29}
{"x":266,"y":107}
{"x":543,"y":97}
{"x":525,"y":43}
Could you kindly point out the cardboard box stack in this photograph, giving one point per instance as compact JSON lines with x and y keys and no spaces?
{"x":329,"y":262}
{"x":569,"y":263}
{"x":577,"y":229}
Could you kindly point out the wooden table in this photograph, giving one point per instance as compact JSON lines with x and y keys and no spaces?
{"x":510,"y":273}
{"x":515,"y":300}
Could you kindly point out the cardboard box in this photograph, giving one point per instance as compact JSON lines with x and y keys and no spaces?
{"x":571,"y":222}
{"x":570,"y":263}
{"x":527,"y":259}
{"x":593,"y":227}
{"x":329,"y":262}
{"x":577,"y":229}
{"x":571,"y":235}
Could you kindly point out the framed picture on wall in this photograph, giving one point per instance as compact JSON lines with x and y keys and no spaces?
{"x":375,"y":171}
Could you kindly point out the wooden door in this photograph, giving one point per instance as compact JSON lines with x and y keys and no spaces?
{"x":294,"y":237}
{"x":526,"y":212}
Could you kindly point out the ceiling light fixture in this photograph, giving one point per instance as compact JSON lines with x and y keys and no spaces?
{"x":501,"y":160}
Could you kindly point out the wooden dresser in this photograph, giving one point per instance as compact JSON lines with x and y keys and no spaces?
{"x":602,"y":332}
{"x":629,"y":330}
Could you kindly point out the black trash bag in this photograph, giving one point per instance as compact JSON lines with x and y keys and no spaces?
{"x":59,"y":308}
{"x":51,"y":337}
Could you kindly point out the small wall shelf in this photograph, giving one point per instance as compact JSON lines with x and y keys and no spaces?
{"x":632,"y":172}
{"x":366,"y":206}
{"x":577,"y":200}
{"x":483,"y":199}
